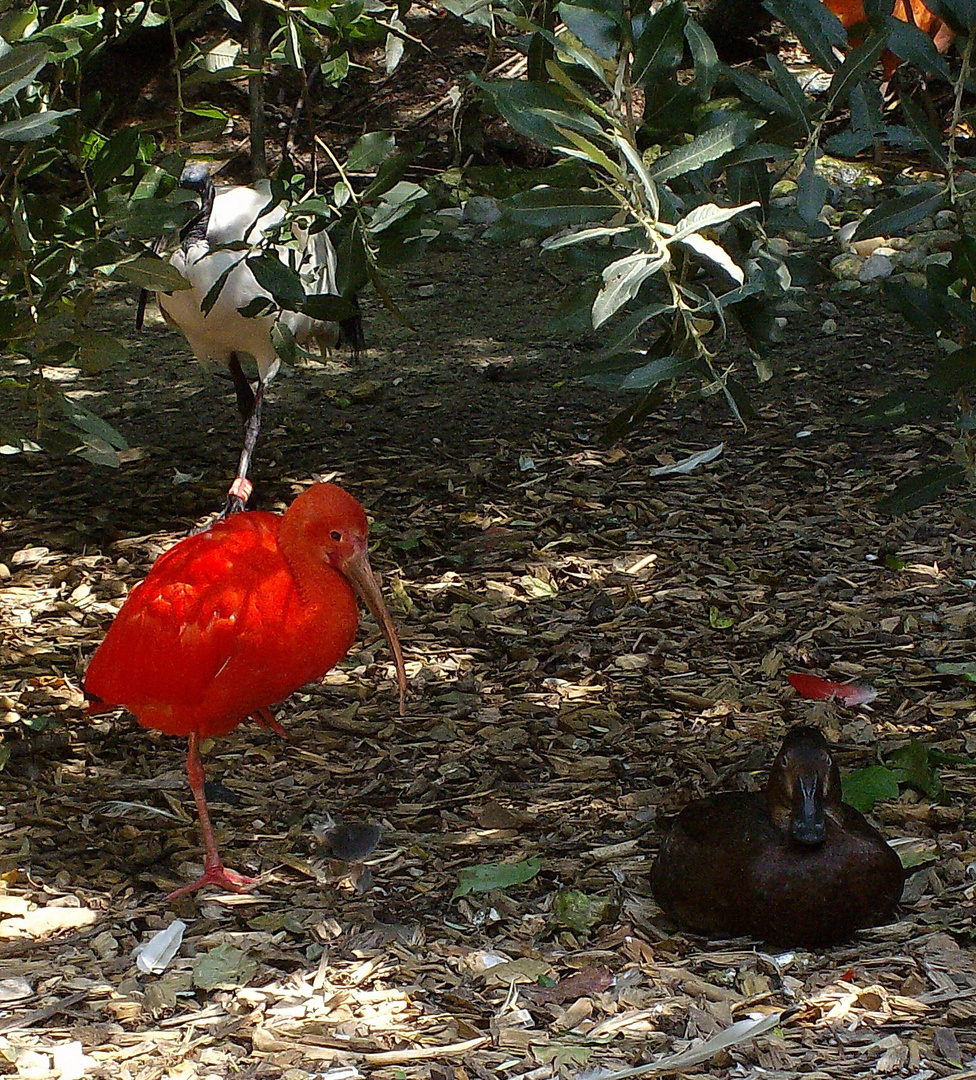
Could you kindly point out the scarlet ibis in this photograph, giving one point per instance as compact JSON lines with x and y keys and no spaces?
{"x":225,"y":331}
{"x":235,"y":618}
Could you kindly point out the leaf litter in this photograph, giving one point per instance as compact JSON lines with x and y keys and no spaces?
{"x":590,"y":649}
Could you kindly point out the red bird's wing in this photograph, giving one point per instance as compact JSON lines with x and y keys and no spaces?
{"x":217,"y":631}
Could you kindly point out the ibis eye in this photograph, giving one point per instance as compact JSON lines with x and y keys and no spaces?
{"x":336,"y":535}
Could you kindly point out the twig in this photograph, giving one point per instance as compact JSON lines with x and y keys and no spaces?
{"x":425,"y":1053}
{"x":21,"y":1023}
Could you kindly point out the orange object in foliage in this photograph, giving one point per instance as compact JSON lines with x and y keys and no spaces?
{"x":234,"y":619}
{"x":851,"y":14}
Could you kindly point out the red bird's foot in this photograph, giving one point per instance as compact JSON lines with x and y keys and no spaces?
{"x":216,"y":875}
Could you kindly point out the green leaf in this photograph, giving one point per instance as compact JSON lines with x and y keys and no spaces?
{"x":960,"y":14}
{"x":718,"y":621}
{"x":36,"y":126}
{"x":758,"y":91}
{"x":707,"y":147}
{"x":279,"y":280}
{"x":151,"y":273}
{"x":370,"y":150}
{"x":116,"y":157}
{"x":587,"y":151}
{"x":622,"y":281}
{"x":815,"y":25}
{"x":546,"y":209}
{"x":924,"y":488}
{"x":660,"y":46}
{"x":390,"y":173}
{"x":704,"y":57}
{"x":858,"y":63}
{"x":791,"y":90}
{"x":597,"y":30}
{"x":716,"y":254}
{"x":577,"y":910}
{"x":911,"y":765}
{"x":898,"y":213}
{"x":929,"y":311}
{"x":628,"y":328}
{"x":19,"y":67}
{"x":864,"y":787}
{"x":965,"y":671}
{"x":955,"y":370}
{"x":352,"y":267}
{"x":473,"y":11}
{"x":223,"y":968}
{"x":657,"y":371}
{"x":329,"y":308}
{"x":812,"y":188}
{"x":284,"y":342}
{"x":488,"y":876}
{"x":922,"y":127}
{"x":213,"y":293}
{"x":97,"y":350}
{"x":910,"y":43}
{"x":528,"y":108}
{"x":88,"y":422}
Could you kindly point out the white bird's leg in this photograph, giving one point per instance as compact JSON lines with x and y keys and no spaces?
{"x":249,"y":403}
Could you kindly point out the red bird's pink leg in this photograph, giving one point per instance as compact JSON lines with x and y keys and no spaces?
{"x":214,"y":871}
{"x":264,"y":718}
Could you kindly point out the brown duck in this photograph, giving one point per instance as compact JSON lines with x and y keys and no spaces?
{"x":792,"y":866}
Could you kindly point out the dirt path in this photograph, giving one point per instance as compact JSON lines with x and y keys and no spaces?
{"x":590,"y":648}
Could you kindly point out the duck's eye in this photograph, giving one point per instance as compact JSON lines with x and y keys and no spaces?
{"x":336,"y":535}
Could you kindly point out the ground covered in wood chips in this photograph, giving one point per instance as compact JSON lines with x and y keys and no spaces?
{"x":590,"y":647}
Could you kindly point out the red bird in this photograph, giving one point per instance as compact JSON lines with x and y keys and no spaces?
{"x":234,"y":619}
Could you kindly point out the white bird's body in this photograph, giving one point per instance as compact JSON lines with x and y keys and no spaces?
{"x":224,"y":332}
{"x":242,"y":217}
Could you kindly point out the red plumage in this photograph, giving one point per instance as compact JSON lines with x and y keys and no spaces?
{"x":235,"y":619}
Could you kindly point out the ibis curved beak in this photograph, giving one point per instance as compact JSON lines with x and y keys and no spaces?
{"x":360,"y":574}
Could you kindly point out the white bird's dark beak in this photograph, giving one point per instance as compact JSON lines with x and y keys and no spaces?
{"x":360,"y":574}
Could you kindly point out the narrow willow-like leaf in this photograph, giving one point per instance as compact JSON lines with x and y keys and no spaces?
{"x":34,"y":127}
{"x":758,"y":91}
{"x":19,"y":67}
{"x":910,"y":43}
{"x":923,"y":129}
{"x":704,"y":57}
{"x":857,"y":65}
{"x":894,"y":215}
{"x":151,"y":273}
{"x":707,"y":216}
{"x":216,"y":289}
{"x":715,"y":253}
{"x":818,"y":29}
{"x":709,"y":146}
{"x":590,"y":152}
{"x":636,"y":162}
{"x":657,"y":371}
{"x":812,"y":188}
{"x":582,"y":236}
{"x":790,"y":89}
{"x":622,"y":281}
{"x":921,"y":489}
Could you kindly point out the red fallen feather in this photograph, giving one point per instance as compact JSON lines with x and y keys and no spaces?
{"x":812,"y":686}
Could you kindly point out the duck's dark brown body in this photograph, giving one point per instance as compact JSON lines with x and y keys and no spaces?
{"x":731,"y":864}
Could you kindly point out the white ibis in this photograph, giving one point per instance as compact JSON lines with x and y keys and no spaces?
{"x":222,"y":329}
